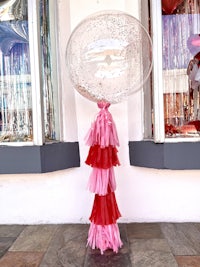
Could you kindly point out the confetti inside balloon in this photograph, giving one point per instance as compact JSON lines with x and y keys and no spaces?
{"x":109,"y":56}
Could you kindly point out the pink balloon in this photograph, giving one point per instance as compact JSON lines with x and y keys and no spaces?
{"x":196,"y":42}
{"x":193,"y":43}
{"x":168,"y":6}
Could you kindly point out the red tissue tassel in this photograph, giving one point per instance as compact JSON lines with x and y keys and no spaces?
{"x":102,"y":157}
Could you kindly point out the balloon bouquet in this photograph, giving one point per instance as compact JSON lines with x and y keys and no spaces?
{"x":109,"y":57}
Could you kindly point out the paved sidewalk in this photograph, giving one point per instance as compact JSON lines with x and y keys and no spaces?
{"x":145,"y":245}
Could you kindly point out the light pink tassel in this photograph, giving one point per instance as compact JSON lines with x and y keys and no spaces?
{"x":104,"y":237}
{"x":100,"y":179}
{"x":103,"y":130}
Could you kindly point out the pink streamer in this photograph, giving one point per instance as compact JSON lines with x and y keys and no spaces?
{"x":100,"y":179}
{"x":104,"y":237}
{"x":103,"y":130}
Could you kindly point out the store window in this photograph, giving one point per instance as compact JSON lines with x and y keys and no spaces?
{"x":178,"y":43}
{"x":172,"y":96}
{"x":30,"y":137}
{"x":21,"y":118}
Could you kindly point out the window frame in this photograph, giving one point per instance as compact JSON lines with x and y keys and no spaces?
{"x":157,"y":75}
{"x":36,"y":77}
{"x":35,"y":58}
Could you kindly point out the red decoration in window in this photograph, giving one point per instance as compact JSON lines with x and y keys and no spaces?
{"x":168,"y":6}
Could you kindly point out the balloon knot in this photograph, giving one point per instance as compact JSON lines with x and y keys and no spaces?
{"x":103,"y":104}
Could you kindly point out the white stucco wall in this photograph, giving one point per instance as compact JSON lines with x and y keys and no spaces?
{"x":143,"y":195}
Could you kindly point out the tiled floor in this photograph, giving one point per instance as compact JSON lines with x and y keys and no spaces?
{"x":145,"y":245}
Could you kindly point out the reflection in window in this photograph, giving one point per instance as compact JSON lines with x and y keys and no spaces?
{"x":16,"y":122}
{"x":49,"y":72}
{"x":181,"y":72}
{"x":15,"y":80}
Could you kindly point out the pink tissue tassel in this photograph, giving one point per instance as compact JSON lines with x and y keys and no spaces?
{"x":102,"y":138}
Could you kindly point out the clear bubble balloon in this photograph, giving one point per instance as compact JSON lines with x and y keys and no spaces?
{"x":109,"y":56}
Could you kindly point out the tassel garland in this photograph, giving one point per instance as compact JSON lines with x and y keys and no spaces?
{"x":102,"y":157}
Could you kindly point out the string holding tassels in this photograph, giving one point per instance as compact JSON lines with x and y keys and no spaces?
{"x":102,"y":157}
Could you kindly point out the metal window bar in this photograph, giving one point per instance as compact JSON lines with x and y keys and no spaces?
{"x":158,"y":116}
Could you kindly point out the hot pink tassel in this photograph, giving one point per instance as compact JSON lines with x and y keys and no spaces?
{"x":100,"y":179}
{"x":104,"y":237}
{"x":103,"y":130}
